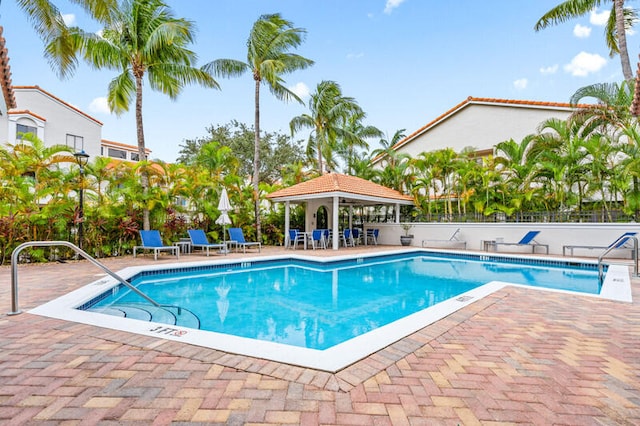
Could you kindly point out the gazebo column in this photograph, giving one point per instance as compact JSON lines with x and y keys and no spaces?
{"x":397,"y":213}
{"x":287,"y":208}
{"x":334,"y":221}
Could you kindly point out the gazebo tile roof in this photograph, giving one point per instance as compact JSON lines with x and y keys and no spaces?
{"x":336,"y":182}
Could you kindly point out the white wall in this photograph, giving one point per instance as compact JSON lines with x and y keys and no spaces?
{"x":554,"y":234}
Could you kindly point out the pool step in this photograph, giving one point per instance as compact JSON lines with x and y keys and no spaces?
{"x":172,"y":315}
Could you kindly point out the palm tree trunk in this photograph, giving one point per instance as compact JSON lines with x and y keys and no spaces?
{"x":142,"y":153}
{"x":256,"y":163}
{"x":319,"y":146}
{"x":622,"y":40}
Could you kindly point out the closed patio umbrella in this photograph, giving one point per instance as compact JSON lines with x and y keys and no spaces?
{"x":224,"y":206}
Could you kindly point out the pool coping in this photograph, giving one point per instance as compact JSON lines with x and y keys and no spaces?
{"x":616,"y":287}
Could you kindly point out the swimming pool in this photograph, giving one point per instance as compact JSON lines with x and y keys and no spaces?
{"x":322,"y":314}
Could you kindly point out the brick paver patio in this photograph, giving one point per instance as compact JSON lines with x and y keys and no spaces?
{"x":516,"y":357}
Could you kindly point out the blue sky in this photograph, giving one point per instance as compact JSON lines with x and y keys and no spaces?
{"x":404,"y":61}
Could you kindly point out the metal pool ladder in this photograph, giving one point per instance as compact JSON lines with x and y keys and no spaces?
{"x":634,"y":255}
{"x":14,"y":271}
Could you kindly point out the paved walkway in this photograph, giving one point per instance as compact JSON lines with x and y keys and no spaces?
{"x":516,"y":357}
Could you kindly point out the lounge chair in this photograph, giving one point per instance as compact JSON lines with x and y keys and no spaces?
{"x":236,"y":235}
{"x":527,"y":240}
{"x":622,"y":242}
{"x":199,"y":240}
{"x":151,"y":240}
{"x":452,"y":241}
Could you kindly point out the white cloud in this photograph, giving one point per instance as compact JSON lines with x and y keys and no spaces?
{"x":355,"y":55}
{"x":99,"y":105}
{"x":521,"y":83}
{"x":300,"y":89}
{"x":584,"y":64}
{"x":599,"y":18}
{"x":69,"y":19}
{"x":552,"y":69}
{"x":392,"y":4}
{"x":581,"y":31}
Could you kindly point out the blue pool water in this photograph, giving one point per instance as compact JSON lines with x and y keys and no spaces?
{"x":318,"y":305}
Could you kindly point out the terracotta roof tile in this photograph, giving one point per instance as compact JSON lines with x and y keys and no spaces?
{"x":336,"y":182}
{"x":5,"y":75}
{"x":26,"y":112}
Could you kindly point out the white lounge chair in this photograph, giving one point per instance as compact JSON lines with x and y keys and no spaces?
{"x":151,"y":240}
{"x":199,"y":240}
{"x":527,"y":240}
{"x":453,"y":241}
{"x":622,"y":242}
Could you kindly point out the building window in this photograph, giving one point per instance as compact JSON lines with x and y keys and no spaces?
{"x":22,"y":129}
{"x":135,"y":156}
{"x":75,"y":142}
{"x":117,"y":153}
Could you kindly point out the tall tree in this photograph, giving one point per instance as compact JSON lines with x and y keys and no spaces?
{"x":329,"y":110}
{"x":620,"y":19}
{"x":276,"y":149}
{"x":268,"y":58}
{"x":355,"y":137}
{"x":140,"y":38}
{"x":387,"y":145}
{"x":611,"y":110}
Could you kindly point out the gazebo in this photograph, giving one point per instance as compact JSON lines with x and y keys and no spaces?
{"x":325,"y":194}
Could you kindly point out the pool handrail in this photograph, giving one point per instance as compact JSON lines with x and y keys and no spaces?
{"x":15,"y":310}
{"x":613,"y":246}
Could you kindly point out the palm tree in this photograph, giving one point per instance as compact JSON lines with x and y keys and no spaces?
{"x":620,"y":20}
{"x":564,"y":163}
{"x":268,"y":58}
{"x":386,"y":149}
{"x":328,"y":111}
{"x":355,"y":136}
{"x":48,"y":23}
{"x":141,"y":37}
{"x":612,"y":108}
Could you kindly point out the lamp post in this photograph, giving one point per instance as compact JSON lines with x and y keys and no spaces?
{"x":82,"y":158}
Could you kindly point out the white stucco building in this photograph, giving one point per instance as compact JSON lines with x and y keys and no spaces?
{"x":53,"y":120}
{"x":480,"y":124}
{"x":57,"y":122}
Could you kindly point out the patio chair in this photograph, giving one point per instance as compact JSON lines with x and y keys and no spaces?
{"x":452,"y":241}
{"x":317,"y":239}
{"x":347,"y":238}
{"x":199,"y":240}
{"x":622,"y":242}
{"x":372,"y":235}
{"x":151,"y":240}
{"x":527,"y":240}
{"x":235,"y":234}
{"x":294,"y":237}
{"x":356,"y":236}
